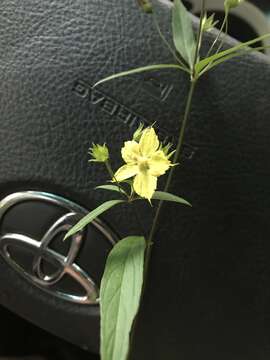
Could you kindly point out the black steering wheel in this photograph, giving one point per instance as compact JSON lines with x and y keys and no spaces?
{"x":208,"y":293}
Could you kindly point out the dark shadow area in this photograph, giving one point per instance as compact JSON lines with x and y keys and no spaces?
{"x":20,"y":340}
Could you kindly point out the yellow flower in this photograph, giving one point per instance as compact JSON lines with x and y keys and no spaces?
{"x":145,"y":162}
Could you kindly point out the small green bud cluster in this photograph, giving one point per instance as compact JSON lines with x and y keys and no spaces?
{"x":99,"y":153}
{"x":208,"y":23}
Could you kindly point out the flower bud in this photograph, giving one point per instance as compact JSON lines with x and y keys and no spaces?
{"x":230,"y":4}
{"x":208,"y":23}
{"x":99,"y":153}
{"x":146,"y":6}
{"x":138,"y":133}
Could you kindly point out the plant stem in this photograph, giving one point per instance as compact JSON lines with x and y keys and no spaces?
{"x":199,"y":40}
{"x":111,"y":173}
{"x":177,"y":155}
{"x":219,"y":34}
{"x":226,"y":33}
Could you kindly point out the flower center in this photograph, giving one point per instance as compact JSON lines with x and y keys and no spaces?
{"x":143,"y":165}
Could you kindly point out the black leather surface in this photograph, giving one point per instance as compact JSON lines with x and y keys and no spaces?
{"x":208,"y":293}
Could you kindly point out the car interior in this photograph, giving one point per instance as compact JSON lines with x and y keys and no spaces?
{"x":208,"y":294}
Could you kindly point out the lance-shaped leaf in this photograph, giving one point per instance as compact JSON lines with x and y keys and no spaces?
{"x":120,"y":293}
{"x":92,"y":216}
{"x":110,"y":187}
{"x":233,"y":55}
{"x":165,"y":196}
{"x":183,"y":35}
{"x":211,"y":59}
{"x":140,"y":70}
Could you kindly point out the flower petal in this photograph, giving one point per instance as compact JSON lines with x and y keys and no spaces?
{"x":149,"y":142}
{"x":130,"y":151}
{"x":126,"y":172}
{"x":145,"y":185}
{"x":159,"y":164}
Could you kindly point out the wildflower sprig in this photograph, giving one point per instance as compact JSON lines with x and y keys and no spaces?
{"x":188,"y":44}
{"x":146,"y":159}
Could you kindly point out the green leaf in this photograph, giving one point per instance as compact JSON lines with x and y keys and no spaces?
{"x":91,"y":216}
{"x":112,"y":188}
{"x":203,"y":63}
{"x":236,"y":54}
{"x":183,"y":35}
{"x":164,"y":196}
{"x":140,"y":70}
{"x":120,"y":293}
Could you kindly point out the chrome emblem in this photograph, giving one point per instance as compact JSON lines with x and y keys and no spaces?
{"x":64,"y":265}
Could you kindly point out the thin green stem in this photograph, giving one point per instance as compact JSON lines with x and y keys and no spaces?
{"x":199,"y":40}
{"x":111,"y":173}
{"x":219,"y":34}
{"x":130,"y":200}
{"x":169,"y":179}
{"x":177,"y":153}
{"x":223,"y":38}
{"x":225,"y":23}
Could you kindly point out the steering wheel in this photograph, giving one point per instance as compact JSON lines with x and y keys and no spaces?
{"x":208,"y":292}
